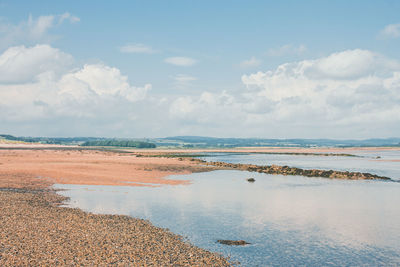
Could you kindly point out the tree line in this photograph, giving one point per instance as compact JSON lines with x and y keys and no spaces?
{"x":119,"y":143}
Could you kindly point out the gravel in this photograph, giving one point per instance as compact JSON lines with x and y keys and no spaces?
{"x":35,"y":230}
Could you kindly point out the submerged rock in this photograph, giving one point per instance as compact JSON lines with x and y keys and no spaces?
{"x":233,"y":242}
{"x":251,"y":180}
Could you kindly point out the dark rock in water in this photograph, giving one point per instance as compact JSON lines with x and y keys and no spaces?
{"x":378,"y":157}
{"x":285,"y":170}
{"x":233,"y":242}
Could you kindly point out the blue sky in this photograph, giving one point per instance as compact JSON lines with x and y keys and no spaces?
{"x":200,"y":60}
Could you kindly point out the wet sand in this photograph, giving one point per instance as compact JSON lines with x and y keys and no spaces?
{"x":35,"y":230}
{"x":91,"y":167}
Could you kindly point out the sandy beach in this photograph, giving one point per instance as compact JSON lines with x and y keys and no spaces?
{"x":35,"y":230}
{"x":91,"y":167}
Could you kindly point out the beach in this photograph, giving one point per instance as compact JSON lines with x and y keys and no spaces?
{"x":35,"y":230}
{"x":38,"y":230}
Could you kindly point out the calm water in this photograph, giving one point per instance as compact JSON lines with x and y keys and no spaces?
{"x":387,"y":165}
{"x":289,"y":220}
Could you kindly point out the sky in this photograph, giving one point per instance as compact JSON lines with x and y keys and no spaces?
{"x":267,"y":69}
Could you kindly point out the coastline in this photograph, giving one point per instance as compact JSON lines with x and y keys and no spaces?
{"x":93,"y":167}
{"x":36,"y":230}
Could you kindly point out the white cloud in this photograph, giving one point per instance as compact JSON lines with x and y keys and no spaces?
{"x":68,"y":16}
{"x":100,"y":80}
{"x":391,"y":31}
{"x":286,"y":50}
{"x":137,"y":48}
{"x":181,"y":61}
{"x":20,"y":64}
{"x":207,"y":109}
{"x":40,"y":26}
{"x":252,"y":62}
{"x":349,"y":94}
{"x":354,"y":93}
{"x":32,"y":30}
{"x":40,"y":83}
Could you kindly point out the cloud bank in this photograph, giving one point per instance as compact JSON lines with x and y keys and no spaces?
{"x":41,"y":84}
{"x":349,"y":94}
{"x":353,"y":93}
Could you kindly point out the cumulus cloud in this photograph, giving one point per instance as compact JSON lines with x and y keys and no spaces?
{"x":20,"y":64}
{"x":137,"y":48}
{"x":181,"y":61}
{"x":252,"y":62}
{"x":40,"y":83}
{"x":100,"y":80}
{"x":351,"y":93}
{"x":286,"y":50}
{"x":391,"y":31}
{"x":348,"y":94}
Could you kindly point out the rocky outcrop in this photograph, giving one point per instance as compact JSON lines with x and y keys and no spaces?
{"x":286,"y":170}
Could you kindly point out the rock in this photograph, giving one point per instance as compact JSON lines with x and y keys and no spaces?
{"x":251,"y":180}
{"x":233,"y":242}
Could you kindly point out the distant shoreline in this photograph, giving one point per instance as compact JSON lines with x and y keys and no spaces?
{"x":322,"y":149}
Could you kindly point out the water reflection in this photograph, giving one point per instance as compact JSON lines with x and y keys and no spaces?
{"x":289,"y":220}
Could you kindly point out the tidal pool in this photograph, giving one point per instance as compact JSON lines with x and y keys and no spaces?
{"x":289,"y":220}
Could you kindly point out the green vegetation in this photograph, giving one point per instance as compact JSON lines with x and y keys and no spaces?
{"x":119,"y":143}
{"x":49,"y":140}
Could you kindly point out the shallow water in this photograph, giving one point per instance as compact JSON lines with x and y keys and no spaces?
{"x":289,"y":220}
{"x":387,"y":165}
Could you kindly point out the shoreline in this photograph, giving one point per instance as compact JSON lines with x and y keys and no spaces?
{"x":36,"y":230}
{"x":92,"y":167}
{"x":133,"y":167}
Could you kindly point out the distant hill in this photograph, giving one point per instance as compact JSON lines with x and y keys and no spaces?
{"x":201,"y":141}
{"x":205,"y":142}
